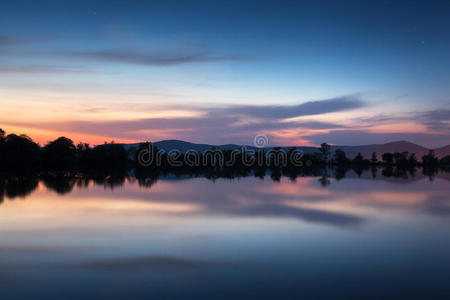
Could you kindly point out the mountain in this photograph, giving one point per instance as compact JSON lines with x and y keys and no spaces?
{"x":351,"y":151}
{"x":182,"y":146}
{"x":443,"y":151}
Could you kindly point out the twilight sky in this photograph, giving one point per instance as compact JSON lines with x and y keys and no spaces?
{"x":219,"y":72}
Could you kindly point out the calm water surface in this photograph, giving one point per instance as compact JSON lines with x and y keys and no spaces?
{"x":245,"y":238}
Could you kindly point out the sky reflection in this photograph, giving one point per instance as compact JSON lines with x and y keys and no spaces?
{"x":202,"y":235}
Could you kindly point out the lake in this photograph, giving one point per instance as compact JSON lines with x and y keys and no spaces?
{"x":242,"y":238}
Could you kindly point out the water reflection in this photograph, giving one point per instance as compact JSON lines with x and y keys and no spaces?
{"x":257,"y":199}
{"x":20,"y":185}
{"x":268,"y":235}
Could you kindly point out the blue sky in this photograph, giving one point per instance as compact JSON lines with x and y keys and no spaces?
{"x":68,"y":67}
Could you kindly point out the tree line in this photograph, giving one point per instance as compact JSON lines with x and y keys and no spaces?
{"x":392,"y":159}
{"x":20,"y":152}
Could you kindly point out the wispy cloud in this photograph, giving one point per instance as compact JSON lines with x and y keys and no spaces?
{"x":437,"y":115}
{"x":229,"y":124}
{"x":209,"y":128}
{"x":305,"y":109}
{"x":240,"y":123}
{"x":9,"y":41}
{"x":36,"y":69}
{"x":153,"y":58}
{"x":276,"y":125}
{"x":436,"y":120}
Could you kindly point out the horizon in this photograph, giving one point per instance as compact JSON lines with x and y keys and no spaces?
{"x":223,"y":72}
{"x":268,"y":145}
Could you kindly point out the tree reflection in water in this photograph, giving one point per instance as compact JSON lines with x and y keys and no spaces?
{"x":21,"y":185}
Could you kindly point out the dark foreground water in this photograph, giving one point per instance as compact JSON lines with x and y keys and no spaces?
{"x":247,"y":238}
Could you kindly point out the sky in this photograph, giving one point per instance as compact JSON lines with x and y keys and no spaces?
{"x":218,"y":72}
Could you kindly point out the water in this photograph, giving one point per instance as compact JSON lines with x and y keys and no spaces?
{"x":246,"y":238}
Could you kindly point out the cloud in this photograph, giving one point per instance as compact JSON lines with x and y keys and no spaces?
{"x":33,"y":249}
{"x":161,"y":58}
{"x":210,"y":127}
{"x":276,"y":125}
{"x":437,"y":115}
{"x":436,"y":120}
{"x":305,"y":109}
{"x":123,"y":126}
{"x":240,"y":123}
{"x":9,"y":41}
{"x":384,"y":118}
{"x":36,"y":69}
{"x":217,"y":124}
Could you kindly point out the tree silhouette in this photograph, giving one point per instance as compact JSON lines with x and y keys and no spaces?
{"x":374,"y":159}
{"x":401,"y":158}
{"x":84,"y":156}
{"x":340,"y":158}
{"x":412,"y":160}
{"x":2,"y":142}
{"x":59,"y":154}
{"x":445,"y":160}
{"x":146,"y":159}
{"x":18,"y":153}
{"x":108,"y":156}
{"x":387,"y":158}
{"x":430,"y":159}
{"x":359,"y":160}
{"x":110,"y":163}
{"x":325,"y":151}
{"x":445,"y":163}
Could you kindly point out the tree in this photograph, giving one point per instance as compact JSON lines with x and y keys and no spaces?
{"x":340,"y":157}
{"x":108,"y":156}
{"x":2,"y":141}
{"x":374,"y":159}
{"x":325,"y":151}
{"x":146,"y":156}
{"x":445,"y":161}
{"x":19,"y":153}
{"x":412,"y":160}
{"x":359,"y":159}
{"x":84,"y":156}
{"x":59,"y":154}
{"x":430,"y":159}
{"x":387,"y":158}
{"x":401,"y":158}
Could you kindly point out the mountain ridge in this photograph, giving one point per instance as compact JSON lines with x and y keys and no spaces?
{"x":351,"y":151}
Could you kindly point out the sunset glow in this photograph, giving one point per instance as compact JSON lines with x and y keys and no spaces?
{"x":96,"y":75}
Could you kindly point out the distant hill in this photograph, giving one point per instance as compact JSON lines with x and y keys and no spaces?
{"x":443,"y":151}
{"x":351,"y":151}
{"x":182,"y":146}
